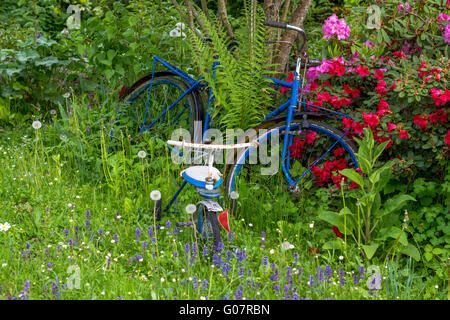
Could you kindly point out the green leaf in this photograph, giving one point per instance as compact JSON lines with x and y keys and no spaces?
{"x":396,"y":203}
{"x":354,"y":176}
{"x":332,"y":244}
{"x":428,"y":256}
{"x":411,"y":251}
{"x":337,"y":219}
{"x":379,"y":149}
{"x":370,"y":250}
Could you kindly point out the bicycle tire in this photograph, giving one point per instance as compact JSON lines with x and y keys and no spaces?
{"x":139,"y":90}
{"x":233,"y":170}
{"x":210,"y":230}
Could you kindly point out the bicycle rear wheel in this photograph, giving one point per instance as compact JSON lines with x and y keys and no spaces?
{"x":158,"y":112}
{"x":207,"y":225}
{"x":263,"y":187}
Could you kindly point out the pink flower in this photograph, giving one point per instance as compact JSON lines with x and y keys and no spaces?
{"x":391,"y":126}
{"x":447,"y":33}
{"x":334,"y":26}
{"x":310,"y":137}
{"x":403,"y":134}
{"x":370,"y":119}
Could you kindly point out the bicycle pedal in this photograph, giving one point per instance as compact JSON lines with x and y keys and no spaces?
{"x":183,"y":224}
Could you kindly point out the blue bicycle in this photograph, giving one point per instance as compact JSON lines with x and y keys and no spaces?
{"x":313,"y":149}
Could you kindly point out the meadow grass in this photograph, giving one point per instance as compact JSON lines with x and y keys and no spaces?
{"x":82,"y":227}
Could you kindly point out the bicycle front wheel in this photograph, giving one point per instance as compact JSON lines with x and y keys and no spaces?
{"x":158,"y":107}
{"x":316,"y":152}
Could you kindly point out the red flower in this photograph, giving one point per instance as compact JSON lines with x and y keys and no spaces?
{"x":313,"y":250}
{"x":370,"y":119}
{"x":436,"y":96}
{"x":356,"y":93}
{"x":433,"y":117}
{"x":338,"y":152}
{"x":421,"y":122}
{"x":347,"y":122}
{"x":290,"y":79}
{"x":399,"y":54}
{"x":381,"y":88}
{"x":326,"y":84}
{"x":347,"y":89}
{"x":323,"y":96}
{"x":296,"y":148}
{"x":379,"y":74}
{"x":437,"y":73}
{"x":447,"y":138}
{"x":336,"y":67}
{"x":353,"y":185}
{"x":403,"y":134}
{"x":422,"y":65}
{"x":394,"y":85}
{"x":314,"y":86}
{"x":357,"y":127}
{"x":337,"y":232}
{"x":362,"y":71}
{"x":310,"y":137}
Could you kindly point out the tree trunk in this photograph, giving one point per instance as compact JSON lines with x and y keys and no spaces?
{"x":297,"y":18}
{"x":223,"y":16}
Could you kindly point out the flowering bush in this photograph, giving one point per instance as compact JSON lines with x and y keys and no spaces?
{"x":393,"y":80}
{"x":398,"y":88}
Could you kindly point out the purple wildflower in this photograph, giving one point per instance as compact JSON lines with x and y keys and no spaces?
{"x":230,"y":236}
{"x":239,"y":292}
{"x":328,"y":274}
{"x":150,"y":231}
{"x":319,"y":274}
{"x":137,"y":233}
{"x":341,"y":278}
{"x":311,"y":281}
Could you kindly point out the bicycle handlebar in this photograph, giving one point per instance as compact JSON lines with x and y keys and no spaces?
{"x":283,"y":25}
{"x":212,"y":146}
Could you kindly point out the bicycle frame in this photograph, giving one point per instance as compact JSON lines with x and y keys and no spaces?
{"x":290,"y":105}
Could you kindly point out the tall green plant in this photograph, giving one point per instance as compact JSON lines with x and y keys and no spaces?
{"x":367,"y":217}
{"x":241,"y":94}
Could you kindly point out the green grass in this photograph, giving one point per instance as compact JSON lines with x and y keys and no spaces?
{"x":62,"y":199}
